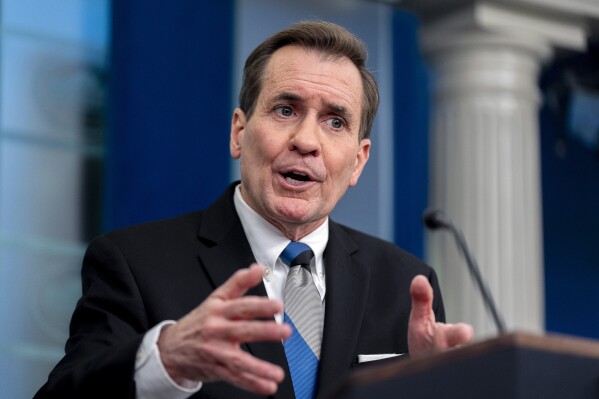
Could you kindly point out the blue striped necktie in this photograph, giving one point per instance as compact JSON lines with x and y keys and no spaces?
{"x":305,"y":314}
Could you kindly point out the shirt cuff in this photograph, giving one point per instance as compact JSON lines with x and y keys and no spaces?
{"x":151,"y":378}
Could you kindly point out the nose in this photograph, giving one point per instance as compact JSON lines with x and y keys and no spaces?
{"x":306,"y":137}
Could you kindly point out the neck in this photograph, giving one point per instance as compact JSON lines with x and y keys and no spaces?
{"x":296,"y":232}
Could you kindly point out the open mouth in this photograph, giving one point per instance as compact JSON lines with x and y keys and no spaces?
{"x":296,"y":178}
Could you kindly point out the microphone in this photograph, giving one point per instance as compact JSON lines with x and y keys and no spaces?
{"x":436,"y":220}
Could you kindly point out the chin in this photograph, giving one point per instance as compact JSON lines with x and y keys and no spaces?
{"x":295,"y":211}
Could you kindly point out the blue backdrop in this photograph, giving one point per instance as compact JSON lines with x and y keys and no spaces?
{"x":570,"y":179}
{"x":410,"y":136}
{"x":169,"y":108}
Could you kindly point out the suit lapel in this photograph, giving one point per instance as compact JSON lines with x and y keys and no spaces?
{"x":225,"y":249}
{"x":347,"y":288}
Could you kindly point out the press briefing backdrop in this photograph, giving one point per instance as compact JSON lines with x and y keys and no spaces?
{"x":169,"y":108}
{"x":175,"y":74}
{"x":100,"y":132}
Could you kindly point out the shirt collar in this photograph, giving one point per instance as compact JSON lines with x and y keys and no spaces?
{"x":267,"y":242}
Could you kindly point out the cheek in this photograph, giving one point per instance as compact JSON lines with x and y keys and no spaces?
{"x":341,"y":162}
{"x":266,"y":144}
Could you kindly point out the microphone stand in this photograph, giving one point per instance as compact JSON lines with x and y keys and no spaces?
{"x":434,"y":219}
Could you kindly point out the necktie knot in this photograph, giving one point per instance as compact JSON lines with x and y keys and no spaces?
{"x":297,"y":253}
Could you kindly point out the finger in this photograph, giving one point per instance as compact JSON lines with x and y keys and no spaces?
{"x":244,"y":370}
{"x":422,"y":299}
{"x":455,"y":334}
{"x":249,"y":382}
{"x":239,"y":361}
{"x":251,"y":307}
{"x":251,"y":331}
{"x":240,"y":282}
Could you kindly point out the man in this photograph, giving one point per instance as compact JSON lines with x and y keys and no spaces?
{"x":301,"y":134}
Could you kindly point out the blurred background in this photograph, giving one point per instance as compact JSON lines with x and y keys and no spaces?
{"x":114,"y":113}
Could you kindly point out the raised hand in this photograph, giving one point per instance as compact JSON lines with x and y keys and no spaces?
{"x":204,"y":345}
{"x":425,"y":334}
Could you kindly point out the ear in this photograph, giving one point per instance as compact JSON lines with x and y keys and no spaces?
{"x":361,"y":159}
{"x":238,"y":122}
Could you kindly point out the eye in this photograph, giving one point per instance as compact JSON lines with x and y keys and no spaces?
{"x":336,"y":123}
{"x":284,"y":110}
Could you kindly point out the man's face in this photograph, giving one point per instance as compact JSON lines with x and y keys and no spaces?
{"x":299,"y":151}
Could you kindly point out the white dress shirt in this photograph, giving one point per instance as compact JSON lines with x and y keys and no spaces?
{"x":267,"y":242}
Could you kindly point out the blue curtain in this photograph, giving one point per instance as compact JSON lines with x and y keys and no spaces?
{"x":169,"y":108}
{"x":410,"y":110}
{"x":570,"y":182}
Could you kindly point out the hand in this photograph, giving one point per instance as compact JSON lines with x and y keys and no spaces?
{"x":425,"y":334}
{"x":204,"y":345}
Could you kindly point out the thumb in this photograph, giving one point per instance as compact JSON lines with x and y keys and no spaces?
{"x":422,"y":299}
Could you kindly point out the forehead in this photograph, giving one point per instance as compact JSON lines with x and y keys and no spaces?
{"x":312,"y":73}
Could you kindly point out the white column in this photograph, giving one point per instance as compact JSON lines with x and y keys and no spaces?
{"x":485,"y":166}
{"x":485,"y":175}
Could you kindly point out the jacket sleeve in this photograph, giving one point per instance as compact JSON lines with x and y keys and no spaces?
{"x":106,"y":330}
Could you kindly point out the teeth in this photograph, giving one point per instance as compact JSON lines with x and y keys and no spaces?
{"x":293,"y":181}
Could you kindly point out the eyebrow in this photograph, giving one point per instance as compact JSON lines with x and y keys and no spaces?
{"x":286,"y":96}
{"x":339,"y":110}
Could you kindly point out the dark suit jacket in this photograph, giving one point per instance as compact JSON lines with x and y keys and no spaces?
{"x":139,"y":276}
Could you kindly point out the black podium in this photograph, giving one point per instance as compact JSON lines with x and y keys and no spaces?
{"x":514,"y":366}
